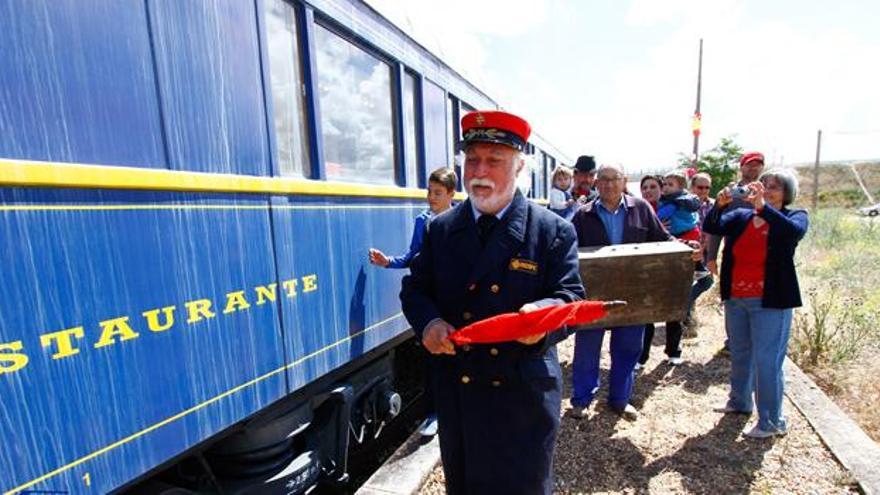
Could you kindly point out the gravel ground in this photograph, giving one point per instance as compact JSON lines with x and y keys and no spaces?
{"x":678,"y":444}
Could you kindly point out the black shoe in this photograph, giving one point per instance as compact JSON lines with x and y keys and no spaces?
{"x":626,"y":412}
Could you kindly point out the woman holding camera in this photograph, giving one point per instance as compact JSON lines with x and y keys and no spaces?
{"x":759,"y":287}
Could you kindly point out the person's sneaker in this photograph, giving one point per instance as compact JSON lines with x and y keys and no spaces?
{"x":727,"y":409}
{"x":675,"y":361}
{"x":626,"y":412}
{"x":757,"y":432}
{"x":429,"y":426}
{"x":578,"y":412}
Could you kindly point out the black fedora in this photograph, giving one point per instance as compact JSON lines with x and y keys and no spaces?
{"x":585,"y":163}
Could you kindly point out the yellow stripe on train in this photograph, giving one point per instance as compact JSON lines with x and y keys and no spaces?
{"x":24,"y":173}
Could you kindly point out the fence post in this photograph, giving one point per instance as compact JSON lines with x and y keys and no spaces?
{"x":816,"y":173}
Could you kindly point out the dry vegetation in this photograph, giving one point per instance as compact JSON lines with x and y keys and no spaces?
{"x":838,"y":186}
{"x":678,"y":444}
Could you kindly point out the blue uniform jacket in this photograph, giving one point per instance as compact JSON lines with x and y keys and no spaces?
{"x":787,"y":228}
{"x":498,"y":405}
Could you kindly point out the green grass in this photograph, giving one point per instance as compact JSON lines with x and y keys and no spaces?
{"x":839,"y":266}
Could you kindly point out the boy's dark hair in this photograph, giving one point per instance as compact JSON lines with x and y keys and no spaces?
{"x":445,"y":177}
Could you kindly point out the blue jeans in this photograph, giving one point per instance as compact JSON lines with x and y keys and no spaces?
{"x":699,"y":286}
{"x":758,"y":342}
{"x":626,"y":347}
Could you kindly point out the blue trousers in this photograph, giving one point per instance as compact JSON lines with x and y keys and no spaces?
{"x":699,"y":286}
{"x":758,"y":341}
{"x":626,"y":347}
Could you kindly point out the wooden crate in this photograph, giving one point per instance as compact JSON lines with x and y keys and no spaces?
{"x":654,"y":278}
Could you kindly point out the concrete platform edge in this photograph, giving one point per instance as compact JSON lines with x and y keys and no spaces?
{"x":406,"y":471}
{"x":852,"y":447}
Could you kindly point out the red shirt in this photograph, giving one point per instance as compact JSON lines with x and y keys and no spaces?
{"x":750,"y":255}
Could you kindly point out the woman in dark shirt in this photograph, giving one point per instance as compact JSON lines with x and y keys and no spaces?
{"x":759,"y":287}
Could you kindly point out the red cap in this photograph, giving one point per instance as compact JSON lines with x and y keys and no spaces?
{"x":751,"y":156}
{"x":494,"y":126}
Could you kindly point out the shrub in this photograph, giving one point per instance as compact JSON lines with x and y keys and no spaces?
{"x":832,"y":329}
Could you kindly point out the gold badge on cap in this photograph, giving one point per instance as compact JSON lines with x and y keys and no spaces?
{"x":521,"y":265}
{"x":479,"y":119}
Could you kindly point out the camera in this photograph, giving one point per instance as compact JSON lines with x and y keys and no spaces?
{"x":739,"y":191}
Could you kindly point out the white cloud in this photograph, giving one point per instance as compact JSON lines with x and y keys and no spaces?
{"x":770,"y":81}
{"x":455,"y":29}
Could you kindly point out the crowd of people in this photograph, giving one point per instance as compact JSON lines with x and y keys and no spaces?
{"x":498,"y":406}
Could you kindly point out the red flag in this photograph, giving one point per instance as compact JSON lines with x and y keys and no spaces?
{"x":507,"y":327}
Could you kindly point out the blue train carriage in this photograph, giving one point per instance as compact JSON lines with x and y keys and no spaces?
{"x":187,"y":194}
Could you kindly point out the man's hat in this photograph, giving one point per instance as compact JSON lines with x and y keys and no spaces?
{"x":493,"y":126}
{"x":751,"y":156}
{"x":585,"y":164}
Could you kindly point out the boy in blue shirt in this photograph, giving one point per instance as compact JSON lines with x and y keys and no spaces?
{"x":441,"y":190}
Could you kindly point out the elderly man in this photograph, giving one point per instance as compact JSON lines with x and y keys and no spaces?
{"x":584,"y":177}
{"x":612,"y":218}
{"x":498,"y":405}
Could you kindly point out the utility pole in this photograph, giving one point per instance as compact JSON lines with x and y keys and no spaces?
{"x":698,"y":118}
{"x":816,"y":173}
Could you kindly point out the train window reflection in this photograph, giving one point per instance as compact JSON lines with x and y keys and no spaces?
{"x":538,"y":162}
{"x":452,"y":132}
{"x":410,"y":130}
{"x":434,"y":99}
{"x":291,"y":146}
{"x":354,"y":89}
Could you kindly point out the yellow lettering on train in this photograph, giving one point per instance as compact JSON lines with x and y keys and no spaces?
{"x":11,"y":362}
{"x":63,"y":342}
{"x":310,"y":283}
{"x":152,"y":317}
{"x":110,"y":329}
{"x":290,"y":287}
{"x":199,"y":310}
{"x":235,"y":301}
{"x":266,"y":292}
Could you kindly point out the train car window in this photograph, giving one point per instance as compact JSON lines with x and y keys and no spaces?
{"x":452,"y":132}
{"x":532,"y":188}
{"x":355,"y":95}
{"x":434,"y":101}
{"x":291,"y":140}
{"x":545,"y":163}
{"x":410,"y":130}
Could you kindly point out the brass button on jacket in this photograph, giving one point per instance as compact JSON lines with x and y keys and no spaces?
{"x":493,"y":351}
{"x":465,"y":379}
{"x":496,"y":383}
{"x":495,"y":288}
{"x":466,"y":315}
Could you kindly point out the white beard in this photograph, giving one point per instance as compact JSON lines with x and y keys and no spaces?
{"x":495,"y":201}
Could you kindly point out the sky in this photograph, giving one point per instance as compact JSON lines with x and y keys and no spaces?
{"x":617,"y":79}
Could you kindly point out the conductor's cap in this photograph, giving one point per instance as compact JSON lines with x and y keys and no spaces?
{"x":495,"y":126}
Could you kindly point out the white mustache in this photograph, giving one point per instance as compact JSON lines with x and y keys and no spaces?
{"x":481,"y":182}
